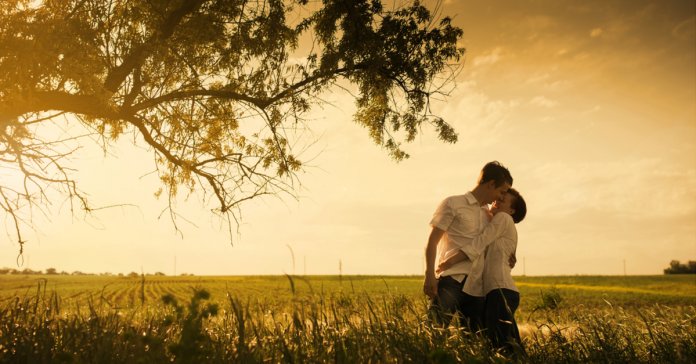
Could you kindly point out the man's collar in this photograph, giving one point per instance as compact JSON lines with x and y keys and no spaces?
{"x":471,"y":199}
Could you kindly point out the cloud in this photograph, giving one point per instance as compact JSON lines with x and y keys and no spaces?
{"x":622,"y":188}
{"x":685,"y":30}
{"x":555,"y":85}
{"x":547,"y":81}
{"x":543,"y":102}
{"x":596,"y":32}
{"x":538,"y":22}
{"x":538,"y":77}
{"x":489,"y":58}
{"x":592,"y":110}
{"x":476,"y":115}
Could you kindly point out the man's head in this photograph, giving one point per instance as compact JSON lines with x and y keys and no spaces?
{"x":494,"y":181}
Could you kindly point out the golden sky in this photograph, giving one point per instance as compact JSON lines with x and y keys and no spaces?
{"x":590,"y":104}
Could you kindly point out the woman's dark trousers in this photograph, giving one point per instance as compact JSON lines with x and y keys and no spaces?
{"x":499,"y":318}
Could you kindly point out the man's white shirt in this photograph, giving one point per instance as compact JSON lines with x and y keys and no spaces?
{"x":462,"y":218}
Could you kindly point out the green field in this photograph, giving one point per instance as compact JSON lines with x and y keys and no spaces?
{"x":126,"y":293}
{"x":53,"y":318}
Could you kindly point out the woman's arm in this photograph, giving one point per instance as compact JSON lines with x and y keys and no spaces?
{"x":500,"y":222}
{"x":459,"y":256}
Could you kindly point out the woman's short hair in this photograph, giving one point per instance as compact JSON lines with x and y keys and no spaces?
{"x":519,"y":205}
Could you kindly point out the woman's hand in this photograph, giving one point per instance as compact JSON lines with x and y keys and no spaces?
{"x":449,"y":262}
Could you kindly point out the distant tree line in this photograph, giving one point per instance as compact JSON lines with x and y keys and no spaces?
{"x":28,"y":271}
{"x":675,"y":267}
{"x":54,"y":271}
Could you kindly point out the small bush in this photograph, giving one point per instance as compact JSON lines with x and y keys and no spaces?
{"x":550,"y":300}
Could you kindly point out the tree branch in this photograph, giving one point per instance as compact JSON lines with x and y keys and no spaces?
{"x":90,"y":105}
{"x":119,"y":74}
{"x":178,"y":161}
{"x":319,"y":75}
{"x":183,"y":95}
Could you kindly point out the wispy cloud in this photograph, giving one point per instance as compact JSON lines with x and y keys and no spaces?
{"x":547,"y":81}
{"x":538,"y":77}
{"x":686,"y":29}
{"x":543,"y":102}
{"x":621,"y":188}
{"x":591,"y":110}
{"x":477,"y":115}
{"x":596,"y":32}
{"x":538,"y":22}
{"x":488,"y":58}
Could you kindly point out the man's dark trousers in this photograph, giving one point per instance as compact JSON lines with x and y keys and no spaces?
{"x":451,"y":301}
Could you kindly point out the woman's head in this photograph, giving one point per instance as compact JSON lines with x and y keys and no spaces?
{"x":513,"y":203}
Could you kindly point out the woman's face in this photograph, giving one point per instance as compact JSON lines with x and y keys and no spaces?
{"x":503,"y":205}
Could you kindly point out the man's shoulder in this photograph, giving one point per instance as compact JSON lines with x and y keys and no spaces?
{"x":465,"y":199}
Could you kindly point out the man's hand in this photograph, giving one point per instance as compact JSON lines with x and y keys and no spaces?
{"x":512,"y":260}
{"x":430,"y":285}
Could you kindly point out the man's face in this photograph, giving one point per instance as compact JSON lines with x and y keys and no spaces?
{"x":497,"y":193}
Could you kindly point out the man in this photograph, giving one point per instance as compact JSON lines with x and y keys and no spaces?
{"x":456,"y":222}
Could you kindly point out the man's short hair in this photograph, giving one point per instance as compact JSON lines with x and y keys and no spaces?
{"x":496,"y":172}
{"x":519,"y":205}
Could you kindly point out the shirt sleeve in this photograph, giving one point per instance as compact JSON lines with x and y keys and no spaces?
{"x":490,"y":233}
{"x":443,"y":216}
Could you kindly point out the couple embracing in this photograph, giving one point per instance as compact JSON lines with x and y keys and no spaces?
{"x":477,"y":246}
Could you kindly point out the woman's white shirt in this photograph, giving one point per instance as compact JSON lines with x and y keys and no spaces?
{"x":490,"y":253}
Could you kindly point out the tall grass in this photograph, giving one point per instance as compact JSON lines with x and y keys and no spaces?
{"x":338,"y":327}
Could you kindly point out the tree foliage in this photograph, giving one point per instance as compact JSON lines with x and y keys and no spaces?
{"x":676,"y":267}
{"x":214,"y":88}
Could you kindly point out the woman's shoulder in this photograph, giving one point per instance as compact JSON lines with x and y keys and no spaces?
{"x":502,"y":217}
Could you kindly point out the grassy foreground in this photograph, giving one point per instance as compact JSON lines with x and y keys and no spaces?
{"x":91,"y":319}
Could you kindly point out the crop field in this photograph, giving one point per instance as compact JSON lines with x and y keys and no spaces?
{"x":55,"y":318}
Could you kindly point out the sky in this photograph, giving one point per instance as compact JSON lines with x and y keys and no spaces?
{"x":590,"y":104}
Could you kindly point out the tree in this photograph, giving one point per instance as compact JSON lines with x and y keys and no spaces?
{"x":51,"y":271}
{"x":676,"y":267}
{"x":215,"y":89}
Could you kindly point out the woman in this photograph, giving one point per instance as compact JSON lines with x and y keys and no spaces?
{"x":497,"y":242}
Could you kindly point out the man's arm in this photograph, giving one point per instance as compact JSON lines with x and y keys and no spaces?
{"x":430,"y":284}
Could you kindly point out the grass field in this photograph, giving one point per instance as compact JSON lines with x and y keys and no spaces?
{"x":330,"y":318}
